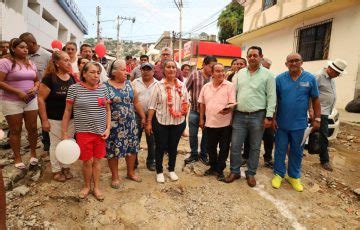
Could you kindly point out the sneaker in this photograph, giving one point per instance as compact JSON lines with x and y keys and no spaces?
{"x":160,"y":178}
{"x":295,"y":182}
{"x":191,"y":159}
{"x":204,"y":160}
{"x":173,"y":176}
{"x":269,"y":164}
{"x":327,"y":167}
{"x":276,"y":181}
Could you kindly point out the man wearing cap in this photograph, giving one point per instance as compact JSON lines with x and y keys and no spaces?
{"x":144,"y":87}
{"x":136,"y":73}
{"x":325,"y":79}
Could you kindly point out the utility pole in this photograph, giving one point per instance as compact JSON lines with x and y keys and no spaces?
{"x":98,"y":12}
{"x":179,"y":4}
{"x":118,"y":23}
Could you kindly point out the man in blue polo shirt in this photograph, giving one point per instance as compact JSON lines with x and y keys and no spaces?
{"x":294,"y":89}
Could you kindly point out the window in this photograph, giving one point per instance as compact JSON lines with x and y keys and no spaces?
{"x":314,"y":41}
{"x":268,"y":3}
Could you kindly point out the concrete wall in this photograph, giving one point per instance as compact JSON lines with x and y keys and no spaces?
{"x":17,"y":17}
{"x":343,"y":44}
{"x":255,"y":17}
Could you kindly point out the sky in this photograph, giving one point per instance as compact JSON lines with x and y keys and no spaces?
{"x":153,"y":17}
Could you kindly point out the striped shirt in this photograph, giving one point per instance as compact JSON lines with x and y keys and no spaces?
{"x":158,"y":102}
{"x":194,"y":84}
{"x":89,"y":107}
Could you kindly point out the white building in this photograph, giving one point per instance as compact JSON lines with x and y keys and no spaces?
{"x":46,"y":19}
{"x":319,"y":30}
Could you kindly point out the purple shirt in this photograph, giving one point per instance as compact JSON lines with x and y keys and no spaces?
{"x":21,"y":77}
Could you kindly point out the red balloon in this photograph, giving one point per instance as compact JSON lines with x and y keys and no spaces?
{"x":100,"y":50}
{"x":56,"y":44}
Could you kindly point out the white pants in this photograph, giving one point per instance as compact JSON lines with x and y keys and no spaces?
{"x":55,"y":138}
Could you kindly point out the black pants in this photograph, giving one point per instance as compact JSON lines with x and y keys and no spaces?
{"x":150,"y":141}
{"x":167,"y":138}
{"x":268,"y":138}
{"x":215,"y":137}
{"x":324,"y":132}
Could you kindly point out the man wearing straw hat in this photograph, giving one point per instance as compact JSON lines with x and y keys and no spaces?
{"x":327,"y":90}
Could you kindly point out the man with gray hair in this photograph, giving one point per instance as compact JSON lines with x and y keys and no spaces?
{"x":166,"y":54}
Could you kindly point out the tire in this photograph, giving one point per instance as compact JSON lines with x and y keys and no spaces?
{"x":353,"y":106}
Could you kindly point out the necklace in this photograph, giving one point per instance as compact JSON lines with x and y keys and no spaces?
{"x":184,"y":105}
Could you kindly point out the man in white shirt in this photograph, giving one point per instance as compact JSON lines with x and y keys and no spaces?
{"x":144,"y":87}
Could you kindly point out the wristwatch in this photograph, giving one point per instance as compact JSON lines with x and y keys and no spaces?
{"x":269,"y":118}
{"x":318,"y":119}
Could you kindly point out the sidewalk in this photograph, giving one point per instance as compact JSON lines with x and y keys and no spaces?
{"x":349,"y":117}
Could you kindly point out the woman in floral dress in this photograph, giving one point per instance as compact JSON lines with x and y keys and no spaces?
{"x":123,"y":139}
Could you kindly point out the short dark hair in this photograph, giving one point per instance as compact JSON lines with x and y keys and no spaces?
{"x":255,"y":48}
{"x":84,"y":45}
{"x":185,"y":65}
{"x":208,"y":59}
{"x":25,"y":35}
{"x":144,"y":56}
{"x":128,"y":57}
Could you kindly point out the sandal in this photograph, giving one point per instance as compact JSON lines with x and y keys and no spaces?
{"x":83,"y":194}
{"x":99,"y":197}
{"x":20,"y":166}
{"x":115,"y":185}
{"x":134,"y":178}
{"x":34,"y":161}
{"x":67,"y":173}
{"x":59,"y":177}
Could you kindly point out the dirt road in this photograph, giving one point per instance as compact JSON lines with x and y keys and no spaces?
{"x":197,"y":202}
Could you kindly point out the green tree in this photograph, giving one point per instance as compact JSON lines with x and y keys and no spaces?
{"x":230,"y":21}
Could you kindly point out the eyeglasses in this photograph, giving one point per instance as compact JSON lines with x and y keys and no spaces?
{"x":165,"y":54}
{"x":294,"y":61}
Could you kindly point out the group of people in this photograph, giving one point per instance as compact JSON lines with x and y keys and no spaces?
{"x":107,"y":111}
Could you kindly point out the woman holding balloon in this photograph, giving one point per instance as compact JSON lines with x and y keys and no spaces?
{"x":89,"y":101}
{"x":52,"y":100}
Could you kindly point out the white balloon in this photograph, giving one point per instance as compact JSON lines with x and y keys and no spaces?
{"x":2,"y":134}
{"x":67,"y":151}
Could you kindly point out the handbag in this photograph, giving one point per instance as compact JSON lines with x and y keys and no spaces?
{"x":314,"y":145}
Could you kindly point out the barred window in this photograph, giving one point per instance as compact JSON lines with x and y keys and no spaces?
{"x":268,"y":3}
{"x":314,"y":41}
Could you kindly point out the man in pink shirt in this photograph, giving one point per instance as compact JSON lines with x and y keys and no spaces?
{"x":217,"y":100}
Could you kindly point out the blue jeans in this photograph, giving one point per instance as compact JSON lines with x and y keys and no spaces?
{"x":251,"y":125}
{"x":150,"y":141}
{"x":282,"y":140}
{"x":194,"y":119}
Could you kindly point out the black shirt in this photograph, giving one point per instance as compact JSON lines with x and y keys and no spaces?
{"x":56,"y":100}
